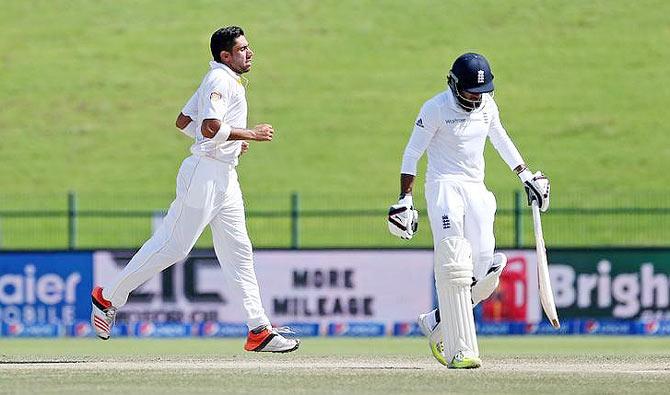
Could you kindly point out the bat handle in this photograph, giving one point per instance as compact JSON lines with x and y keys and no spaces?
{"x":537,"y":222}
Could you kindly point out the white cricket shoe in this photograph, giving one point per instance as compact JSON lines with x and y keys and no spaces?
{"x":433,"y":335}
{"x":102,"y":314}
{"x":271,"y":340}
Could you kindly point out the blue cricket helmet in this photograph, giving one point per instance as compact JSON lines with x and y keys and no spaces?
{"x":471,"y":73}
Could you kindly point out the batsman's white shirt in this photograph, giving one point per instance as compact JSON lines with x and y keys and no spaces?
{"x":455,"y":139}
{"x":208,"y":193}
{"x":458,"y":202}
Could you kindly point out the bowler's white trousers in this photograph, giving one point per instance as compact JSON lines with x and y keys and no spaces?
{"x":208,"y":193}
{"x":465,"y":209}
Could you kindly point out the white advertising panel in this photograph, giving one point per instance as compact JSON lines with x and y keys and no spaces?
{"x":323,"y":286}
{"x":316,"y":286}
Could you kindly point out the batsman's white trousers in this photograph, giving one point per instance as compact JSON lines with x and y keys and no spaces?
{"x":466,"y":209}
{"x":208,"y":193}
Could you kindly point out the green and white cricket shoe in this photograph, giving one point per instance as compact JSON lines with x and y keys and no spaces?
{"x":433,"y":335}
{"x":461,"y":361}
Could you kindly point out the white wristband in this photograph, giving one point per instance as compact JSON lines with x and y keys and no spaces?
{"x":526,"y":175}
{"x":223,"y":133}
{"x":406,"y":200}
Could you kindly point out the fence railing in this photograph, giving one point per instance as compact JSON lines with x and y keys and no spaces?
{"x":321,"y":224}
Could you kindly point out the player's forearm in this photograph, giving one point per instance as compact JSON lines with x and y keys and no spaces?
{"x":217,"y":131}
{"x":406,"y":184}
{"x":505,"y":147}
{"x":212,"y":132}
{"x":241,"y":134}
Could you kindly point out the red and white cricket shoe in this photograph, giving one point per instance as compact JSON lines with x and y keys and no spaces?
{"x":102,"y":314}
{"x":270,"y":339}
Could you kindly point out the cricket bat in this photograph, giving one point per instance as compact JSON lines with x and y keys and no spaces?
{"x":546,"y":293}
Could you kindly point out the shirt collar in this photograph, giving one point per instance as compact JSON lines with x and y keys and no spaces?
{"x":451,"y":102}
{"x":216,"y":65}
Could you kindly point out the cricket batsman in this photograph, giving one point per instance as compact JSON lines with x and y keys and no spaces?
{"x":208,"y":193}
{"x":453,"y":127}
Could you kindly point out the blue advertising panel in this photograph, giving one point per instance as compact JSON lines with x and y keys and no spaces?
{"x":357,"y":329}
{"x":45,"y":288}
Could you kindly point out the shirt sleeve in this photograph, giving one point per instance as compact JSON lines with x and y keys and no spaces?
{"x":215,"y":99}
{"x":191,"y":107}
{"x":425,"y":127}
{"x":215,"y":102}
{"x":502,"y":143}
{"x":190,"y":110}
{"x":190,"y":129}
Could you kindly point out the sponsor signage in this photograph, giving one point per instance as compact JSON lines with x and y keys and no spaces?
{"x":84,"y":329}
{"x":594,"y":288}
{"x":357,"y":329}
{"x":191,"y":291}
{"x":515,"y":299}
{"x":296,"y":286}
{"x":620,"y":285}
{"x":499,"y":328}
{"x":608,"y":327}
{"x":587,"y":284}
{"x":222,"y":329}
{"x":304,"y":329}
{"x":165,"y":329}
{"x":545,"y":328}
{"x":406,"y":329}
{"x":326,"y":286}
{"x":31,"y":330}
{"x":45,"y":288}
{"x":659,"y":328}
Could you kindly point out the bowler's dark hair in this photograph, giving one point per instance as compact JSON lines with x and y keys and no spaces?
{"x":224,"y":40}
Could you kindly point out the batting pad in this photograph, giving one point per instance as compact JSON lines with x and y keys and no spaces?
{"x":485,"y":287}
{"x":453,"y":278}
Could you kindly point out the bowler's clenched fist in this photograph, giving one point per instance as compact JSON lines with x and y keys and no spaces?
{"x":263,"y":132}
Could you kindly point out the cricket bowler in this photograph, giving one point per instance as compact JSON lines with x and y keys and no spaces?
{"x":208,"y":193}
{"x":453,"y":127}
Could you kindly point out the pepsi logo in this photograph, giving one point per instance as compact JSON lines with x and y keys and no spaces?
{"x":340,"y":328}
{"x":82,"y":329}
{"x":531,"y":328}
{"x":210,"y":328}
{"x":591,"y":326}
{"x":404,"y":328}
{"x":146,"y":329}
{"x":651,"y":327}
{"x":15,"y":329}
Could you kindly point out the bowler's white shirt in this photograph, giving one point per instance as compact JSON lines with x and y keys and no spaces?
{"x":455,"y":139}
{"x":221,"y":96}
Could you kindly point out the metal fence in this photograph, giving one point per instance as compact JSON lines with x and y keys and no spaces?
{"x":77,"y":221}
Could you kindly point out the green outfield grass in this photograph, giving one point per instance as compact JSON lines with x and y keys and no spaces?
{"x":89,"y":92}
{"x":512,"y":365}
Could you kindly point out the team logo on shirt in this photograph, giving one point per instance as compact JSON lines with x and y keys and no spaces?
{"x":419,"y":123}
{"x":480,"y":77}
{"x":215,"y":96}
{"x":446,"y":223}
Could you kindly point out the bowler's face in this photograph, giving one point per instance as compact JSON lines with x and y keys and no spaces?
{"x":241,"y":55}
